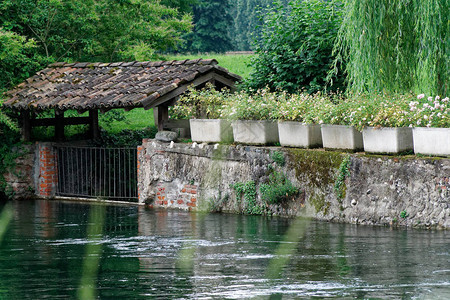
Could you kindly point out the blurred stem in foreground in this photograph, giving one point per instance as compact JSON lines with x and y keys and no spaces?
{"x":6,"y":217}
{"x":87,"y":289}
{"x":286,"y":248}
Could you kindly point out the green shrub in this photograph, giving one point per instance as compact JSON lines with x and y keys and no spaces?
{"x":294,"y":51}
{"x":199,"y":104}
{"x":278,"y":189}
{"x":248,"y":191}
{"x":261,"y":105}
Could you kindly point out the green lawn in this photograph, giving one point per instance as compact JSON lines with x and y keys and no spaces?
{"x":236,"y":63}
{"x":136,"y":119}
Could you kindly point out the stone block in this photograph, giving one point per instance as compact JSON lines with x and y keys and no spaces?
{"x":341,"y":137}
{"x":296,"y":134}
{"x":166,"y":136}
{"x":255,"y":132}
{"x":387,"y":140}
{"x":432,"y":141}
{"x":211,"y":130}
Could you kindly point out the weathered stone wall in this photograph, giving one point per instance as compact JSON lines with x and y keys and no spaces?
{"x":378,"y":190}
{"x":20,"y":177}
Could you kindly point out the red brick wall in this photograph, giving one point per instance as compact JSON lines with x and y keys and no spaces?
{"x":48,"y":177}
{"x":185,"y":198}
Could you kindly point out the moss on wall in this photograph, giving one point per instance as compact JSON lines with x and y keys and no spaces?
{"x":318,"y":169}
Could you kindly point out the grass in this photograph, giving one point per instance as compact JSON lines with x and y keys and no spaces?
{"x":235,"y":63}
{"x":136,"y":119}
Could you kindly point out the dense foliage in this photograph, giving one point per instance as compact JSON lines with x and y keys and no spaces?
{"x":295,"y":48}
{"x":34,"y":33}
{"x":212,"y":21}
{"x":247,"y":21}
{"x":396,"y":45}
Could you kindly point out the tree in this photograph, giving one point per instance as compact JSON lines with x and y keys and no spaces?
{"x":294,"y":51}
{"x":247,"y":20}
{"x":396,"y":45}
{"x":212,"y":25}
{"x":104,"y":30}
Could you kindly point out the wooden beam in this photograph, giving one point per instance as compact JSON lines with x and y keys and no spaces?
{"x":163,"y":116}
{"x":59,"y":125}
{"x":26,"y":126}
{"x":225,"y":81}
{"x":67,"y":121}
{"x":94,"y":129}
{"x":178,"y":91}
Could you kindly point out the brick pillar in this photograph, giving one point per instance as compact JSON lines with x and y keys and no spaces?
{"x":48,"y":177}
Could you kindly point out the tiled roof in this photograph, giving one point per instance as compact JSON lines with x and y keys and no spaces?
{"x":84,"y":86}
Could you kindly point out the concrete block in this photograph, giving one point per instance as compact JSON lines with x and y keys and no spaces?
{"x":341,"y":137}
{"x":296,"y":134}
{"x":432,"y":141}
{"x":213,"y":130}
{"x":387,"y":140}
{"x":255,"y":132}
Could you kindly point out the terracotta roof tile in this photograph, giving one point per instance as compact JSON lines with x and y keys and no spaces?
{"x":86,"y":85}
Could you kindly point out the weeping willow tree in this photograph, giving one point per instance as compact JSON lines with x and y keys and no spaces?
{"x":395,"y":45}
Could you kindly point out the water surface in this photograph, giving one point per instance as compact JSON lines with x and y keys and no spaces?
{"x":181,"y":255}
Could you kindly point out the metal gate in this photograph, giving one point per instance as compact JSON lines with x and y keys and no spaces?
{"x":106,"y":173}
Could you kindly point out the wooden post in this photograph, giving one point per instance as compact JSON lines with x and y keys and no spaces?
{"x":59,"y":125}
{"x":26,"y":126}
{"x":163,"y":116}
{"x":94,"y":129}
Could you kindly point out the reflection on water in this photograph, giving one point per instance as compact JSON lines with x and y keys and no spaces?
{"x":42,"y":254}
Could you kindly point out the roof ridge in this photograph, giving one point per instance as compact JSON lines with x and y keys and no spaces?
{"x":199,"y":61}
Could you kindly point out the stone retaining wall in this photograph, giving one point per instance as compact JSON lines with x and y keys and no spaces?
{"x":378,"y":190}
{"x":20,"y":179}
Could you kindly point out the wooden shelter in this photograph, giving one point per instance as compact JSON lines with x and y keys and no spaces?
{"x":101,"y":87}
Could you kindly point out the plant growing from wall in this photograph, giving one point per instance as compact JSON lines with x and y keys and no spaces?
{"x":278,"y":189}
{"x":278,"y":158}
{"x":247,"y":190}
{"x":343,"y":172}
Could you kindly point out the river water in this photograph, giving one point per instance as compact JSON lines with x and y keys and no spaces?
{"x":174,"y":254}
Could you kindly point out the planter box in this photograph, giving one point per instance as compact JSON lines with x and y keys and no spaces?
{"x":341,"y":137}
{"x":387,"y":140}
{"x":432,"y":141}
{"x":296,"y":134}
{"x":255,"y":132}
{"x":211,"y":130}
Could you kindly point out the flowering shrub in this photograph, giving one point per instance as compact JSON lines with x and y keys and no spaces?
{"x":262,"y":105}
{"x":387,"y":110}
{"x":200,"y":104}
{"x":430,"y":112}
{"x":359,"y":110}
{"x":303,"y":107}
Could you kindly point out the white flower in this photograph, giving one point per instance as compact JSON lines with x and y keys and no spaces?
{"x":425,"y":117}
{"x":420,"y":96}
{"x":445,"y":99}
{"x":430,"y":99}
{"x":418,"y":122}
{"x":437,"y":98}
